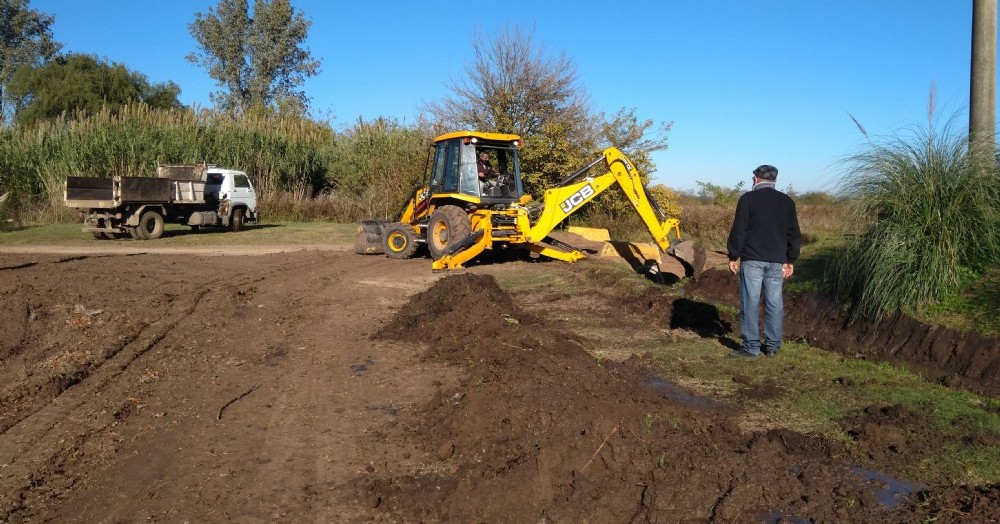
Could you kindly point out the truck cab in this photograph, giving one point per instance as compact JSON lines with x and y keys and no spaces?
{"x":234,"y":187}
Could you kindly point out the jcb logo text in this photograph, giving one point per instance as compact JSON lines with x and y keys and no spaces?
{"x":576,"y":198}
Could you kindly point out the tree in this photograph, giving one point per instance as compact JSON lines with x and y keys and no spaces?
{"x":515,"y":86}
{"x":79,"y":82}
{"x":257,"y":58}
{"x":626,"y":132}
{"x":632,"y":137}
{"x":25,"y":40}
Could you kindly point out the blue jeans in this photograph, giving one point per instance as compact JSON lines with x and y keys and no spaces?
{"x":754,"y":276}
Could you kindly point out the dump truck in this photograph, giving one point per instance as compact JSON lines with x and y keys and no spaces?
{"x":195,"y":195}
{"x":460,"y":213}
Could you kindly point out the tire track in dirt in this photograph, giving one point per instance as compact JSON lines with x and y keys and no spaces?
{"x":282,"y":451}
{"x":66,"y":423}
{"x":141,"y":342}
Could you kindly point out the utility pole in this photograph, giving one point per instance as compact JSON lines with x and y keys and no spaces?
{"x":982,"y":92}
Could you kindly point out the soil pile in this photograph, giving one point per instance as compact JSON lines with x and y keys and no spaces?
{"x":540,"y":431}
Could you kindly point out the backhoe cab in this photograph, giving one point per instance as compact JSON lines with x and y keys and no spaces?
{"x":474,"y":200}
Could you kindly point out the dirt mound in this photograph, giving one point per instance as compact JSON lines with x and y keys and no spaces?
{"x":955,"y":358}
{"x":540,"y":431}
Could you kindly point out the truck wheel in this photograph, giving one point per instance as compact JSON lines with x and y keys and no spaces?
{"x":103,"y":236}
{"x":151,"y":225}
{"x":237,"y":221}
{"x":135,"y":233}
{"x":399,"y":241}
{"x":447,"y":224}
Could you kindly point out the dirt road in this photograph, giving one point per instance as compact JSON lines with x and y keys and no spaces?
{"x":116,"y":367}
{"x":289,"y":386}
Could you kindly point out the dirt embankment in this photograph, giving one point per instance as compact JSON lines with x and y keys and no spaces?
{"x":955,"y":358}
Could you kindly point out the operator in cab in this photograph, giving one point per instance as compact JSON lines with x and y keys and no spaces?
{"x":487,"y":175}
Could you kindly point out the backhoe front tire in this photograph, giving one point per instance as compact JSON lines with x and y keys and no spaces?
{"x":151,"y":225}
{"x":399,"y":241}
{"x":448,"y":224}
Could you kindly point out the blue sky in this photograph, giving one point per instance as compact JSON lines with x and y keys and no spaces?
{"x":745,"y":82}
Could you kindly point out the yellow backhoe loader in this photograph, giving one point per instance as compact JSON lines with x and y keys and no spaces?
{"x":469,"y":206}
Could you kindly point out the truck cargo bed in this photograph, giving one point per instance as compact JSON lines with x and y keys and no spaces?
{"x":87,"y":188}
{"x":144,"y":189}
{"x":99,"y":193}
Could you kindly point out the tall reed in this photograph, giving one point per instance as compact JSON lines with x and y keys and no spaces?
{"x":925,"y":217}
{"x":279,"y":153}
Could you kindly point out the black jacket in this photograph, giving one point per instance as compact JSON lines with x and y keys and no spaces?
{"x":765,"y":228}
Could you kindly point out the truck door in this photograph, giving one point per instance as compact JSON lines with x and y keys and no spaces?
{"x":242,"y":192}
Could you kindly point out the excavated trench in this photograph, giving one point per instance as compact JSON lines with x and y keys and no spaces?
{"x":957,"y":359}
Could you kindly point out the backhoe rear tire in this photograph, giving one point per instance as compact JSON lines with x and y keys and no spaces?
{"x":447,"y":224}
{"x":399,"y":241}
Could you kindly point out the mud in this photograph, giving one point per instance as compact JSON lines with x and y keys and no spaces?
{"x":328,"y":387}
{"x":539,"y":431}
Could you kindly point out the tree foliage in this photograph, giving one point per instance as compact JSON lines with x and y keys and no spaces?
{"x":633,"y":137}
{"x":25,"y":40}
{"x":513,"y":85}
{"x":258,"y":58}
{"x":637,"y":139}
{"x":79,"y":82}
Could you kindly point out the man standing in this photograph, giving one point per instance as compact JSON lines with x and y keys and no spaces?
{"x":763,"y":246}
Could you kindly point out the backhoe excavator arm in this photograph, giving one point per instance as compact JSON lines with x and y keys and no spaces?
{"x":563,"y":201}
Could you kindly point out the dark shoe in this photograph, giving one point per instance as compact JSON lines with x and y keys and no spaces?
{"x":739,"y":353}
{"x":769,"y":352}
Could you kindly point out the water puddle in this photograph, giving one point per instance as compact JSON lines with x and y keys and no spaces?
{"x":671,"y":391}
{"x":362,"y":367}
{"x":893,"y":490}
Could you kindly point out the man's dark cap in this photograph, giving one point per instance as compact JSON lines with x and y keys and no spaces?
{"x":766,"y":172}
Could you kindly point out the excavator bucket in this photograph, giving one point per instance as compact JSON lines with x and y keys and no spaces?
{"x":691,"y":255}
{"x":369,"y":238}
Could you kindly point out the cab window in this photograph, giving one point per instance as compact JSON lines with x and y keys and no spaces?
{"x":241,"y":181}
{"x":451,"y":166}
{"x":470,"y":178}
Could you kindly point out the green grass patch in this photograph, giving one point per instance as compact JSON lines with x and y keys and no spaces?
{"x":305,"y":233}
{"x":822,"y":391}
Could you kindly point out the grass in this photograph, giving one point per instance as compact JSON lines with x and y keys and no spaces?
{"x":820,"y":391}
{"x":305,"y":233}
{"x":927,"y":219}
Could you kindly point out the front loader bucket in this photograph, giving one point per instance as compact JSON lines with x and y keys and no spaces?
{"x":369,"y":239}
